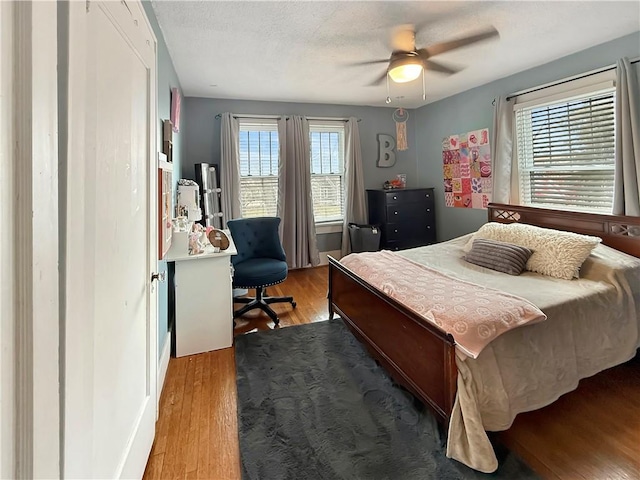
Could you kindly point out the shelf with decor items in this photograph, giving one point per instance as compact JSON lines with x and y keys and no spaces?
{"x":406,"y":217}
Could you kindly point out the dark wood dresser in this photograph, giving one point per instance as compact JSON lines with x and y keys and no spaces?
{"x":406,"y":217}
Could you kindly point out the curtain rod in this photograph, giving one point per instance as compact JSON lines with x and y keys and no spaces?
{"x":241,"y":115}
{"x":278,"y":117}
{"x":331,"y":119}
{"x":568,"y":79}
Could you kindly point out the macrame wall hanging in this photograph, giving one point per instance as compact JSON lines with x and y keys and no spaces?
{"x":400,"y":116}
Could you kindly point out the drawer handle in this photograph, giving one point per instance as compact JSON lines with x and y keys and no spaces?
{"x":428,"y":227}
{"x":396,"y":230}
{"x":395,"y":198}
{"x":395,"y":213}
{"x":426,"y":195}
{"x":428,"y":209}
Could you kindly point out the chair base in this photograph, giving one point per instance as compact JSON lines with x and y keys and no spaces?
{"x":262,"y":302}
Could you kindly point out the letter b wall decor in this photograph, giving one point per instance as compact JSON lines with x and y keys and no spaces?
{"x":386,"y":155}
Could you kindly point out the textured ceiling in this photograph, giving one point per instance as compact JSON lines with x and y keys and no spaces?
{"x":300,"y":51}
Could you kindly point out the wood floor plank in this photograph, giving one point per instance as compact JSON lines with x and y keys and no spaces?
{"x":154,"y":466}
{"x":170,"y":408}
{"x":591,"y":433}
{"x":204,"y":425}
{"x":191,"y":454}
{"x":180,"y":445}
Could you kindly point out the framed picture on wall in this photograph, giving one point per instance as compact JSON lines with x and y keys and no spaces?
{"x":165,"y":228}
{"x":175,"y":109}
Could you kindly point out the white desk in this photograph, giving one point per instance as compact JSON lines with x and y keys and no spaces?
{"x":204,"y":302}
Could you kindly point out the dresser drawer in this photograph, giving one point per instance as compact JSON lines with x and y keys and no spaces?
{"x":410,"y":212}
{"x":397,"y":232}
{"x":409,"y":196}
{"x":409,"y":242}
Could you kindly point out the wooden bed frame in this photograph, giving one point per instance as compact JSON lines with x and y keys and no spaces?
{"x":417,"y":354}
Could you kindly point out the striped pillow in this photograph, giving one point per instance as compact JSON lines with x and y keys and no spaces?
{"x":500,"y":256}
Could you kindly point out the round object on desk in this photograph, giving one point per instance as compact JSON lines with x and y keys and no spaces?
{"x":219,"y":239}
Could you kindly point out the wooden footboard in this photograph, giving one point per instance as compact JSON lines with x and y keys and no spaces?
{"x":417,"y":354}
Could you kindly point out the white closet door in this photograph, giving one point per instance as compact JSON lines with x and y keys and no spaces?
{"x":110,"y":375}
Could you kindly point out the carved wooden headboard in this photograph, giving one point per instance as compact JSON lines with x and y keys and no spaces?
{"x":615,"y":230}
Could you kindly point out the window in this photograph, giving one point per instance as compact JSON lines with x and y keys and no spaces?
{"x":259,"y":155}
{"x":565,"y":150}
{"x":259,"y":159}
{"x":327,"y":171}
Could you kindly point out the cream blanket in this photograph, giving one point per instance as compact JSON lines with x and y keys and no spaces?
{"x":473,"y":314}
{"x":592,"y":324}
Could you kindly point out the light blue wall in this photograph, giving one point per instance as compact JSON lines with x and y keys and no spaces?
{"x":472,"y":110}
{"x":203,"y":132}
{"x":167,"y":79}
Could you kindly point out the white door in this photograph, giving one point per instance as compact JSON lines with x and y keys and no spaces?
{"x":110,"y":348}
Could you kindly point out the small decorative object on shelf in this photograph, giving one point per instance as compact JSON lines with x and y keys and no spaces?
{"x":393,"y":184}
{"x":218,"y":239}
{"x":195,"y":245}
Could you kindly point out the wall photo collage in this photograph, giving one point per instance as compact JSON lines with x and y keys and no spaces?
{"x":466,"y":165}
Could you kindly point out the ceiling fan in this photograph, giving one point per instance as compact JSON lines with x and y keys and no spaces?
{"x":407,"y":62}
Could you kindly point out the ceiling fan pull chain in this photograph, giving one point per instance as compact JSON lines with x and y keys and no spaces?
{"x":424,"y":87}
{"x":388,"y":100}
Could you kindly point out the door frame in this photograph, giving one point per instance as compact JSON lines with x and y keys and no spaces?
{"x":29,"y":377}
{"x":7,"y":247}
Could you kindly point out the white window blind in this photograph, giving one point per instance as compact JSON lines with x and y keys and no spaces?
{"x":327,"y":171}
{"x":566,"y":152}
{"x":259,"y":157}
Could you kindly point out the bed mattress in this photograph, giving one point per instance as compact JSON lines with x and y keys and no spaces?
{"x":592,"y":324}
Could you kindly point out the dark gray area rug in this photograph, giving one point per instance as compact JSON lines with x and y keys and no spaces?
{"x":312,"y":404}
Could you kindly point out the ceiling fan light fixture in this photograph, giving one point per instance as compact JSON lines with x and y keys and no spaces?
{"x":405,"y":69}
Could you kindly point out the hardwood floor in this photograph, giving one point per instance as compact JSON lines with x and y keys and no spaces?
{"x":591,"y":433}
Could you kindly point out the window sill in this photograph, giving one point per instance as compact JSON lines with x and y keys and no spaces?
{"x":328,"y":227}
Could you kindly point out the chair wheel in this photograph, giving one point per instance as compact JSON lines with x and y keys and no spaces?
{"x":293,"y":304}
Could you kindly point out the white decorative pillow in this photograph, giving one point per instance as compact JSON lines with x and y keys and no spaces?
{"x":555,"y":253}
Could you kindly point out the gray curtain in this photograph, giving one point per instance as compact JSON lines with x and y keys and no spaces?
{"x":355,"y":208}
{"x":505,"y":165}
{"x":295,"y":205}
{"x":626,"y":196}
{"x":230,"y":167}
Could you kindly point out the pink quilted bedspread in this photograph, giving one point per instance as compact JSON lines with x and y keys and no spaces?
{"x":474,"y":315}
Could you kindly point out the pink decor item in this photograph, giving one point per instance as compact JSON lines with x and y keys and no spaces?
{"x":175,"y":109}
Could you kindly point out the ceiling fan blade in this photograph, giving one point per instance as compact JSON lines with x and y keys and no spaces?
{"x":370,"y":62}
{"x":378,"y":80}
{"x":439,"y":67}
{"x":461,"y":42}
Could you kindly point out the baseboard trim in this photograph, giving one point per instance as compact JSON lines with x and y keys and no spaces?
{"x":337,"y":254}
{"x":163,"y":364}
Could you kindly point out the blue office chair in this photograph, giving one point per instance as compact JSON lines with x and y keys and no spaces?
{"x":260,"y":262}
